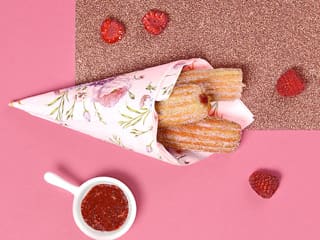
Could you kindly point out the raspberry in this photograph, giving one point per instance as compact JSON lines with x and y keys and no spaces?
{"x":290,"y":84}
{"x":112,"y":30}
{"x":155,"y":21}
{"x":264,"y":183}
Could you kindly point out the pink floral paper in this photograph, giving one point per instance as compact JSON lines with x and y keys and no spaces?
{"x":120,"y":109}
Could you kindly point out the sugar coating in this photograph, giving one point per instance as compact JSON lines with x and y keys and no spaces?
{"x":264,"y":38}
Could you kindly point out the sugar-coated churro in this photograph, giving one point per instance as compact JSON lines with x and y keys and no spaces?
{"x":219,"y":84}
{"x":186,"y":104}
{"x":208,"y":135}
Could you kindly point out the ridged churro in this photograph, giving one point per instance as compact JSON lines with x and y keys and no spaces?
{"x":186,"y":104}
{"x":219,"y":84}
{"x":208,"y":135}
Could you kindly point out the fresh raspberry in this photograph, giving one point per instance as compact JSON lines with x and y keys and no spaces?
{"x":112,"y":30}
{"x":290,"y":84}
{"x":264,"y":183}
{"x":155,"y":21}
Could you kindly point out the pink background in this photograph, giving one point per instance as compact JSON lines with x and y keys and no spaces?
{"x":209,"y":200}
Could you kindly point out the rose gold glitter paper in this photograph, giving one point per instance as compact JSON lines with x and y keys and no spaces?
{"x":264,"y":38}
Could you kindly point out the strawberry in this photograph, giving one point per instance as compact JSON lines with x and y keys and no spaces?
{"x":112,"y":30}
{"x":155,"y":21}
{"x":290,"y":84}
{"x":264,"y":183}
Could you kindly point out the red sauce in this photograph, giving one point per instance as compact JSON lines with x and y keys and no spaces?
{"x":203,"y":98}
{"x":105,"y":207}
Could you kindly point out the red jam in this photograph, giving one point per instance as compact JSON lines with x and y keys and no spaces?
{"x":105,"y":207}
{"x":203,"y":98}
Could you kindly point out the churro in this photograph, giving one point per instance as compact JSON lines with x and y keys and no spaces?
{"x":208,"y":135}
{"x":186,"y":104}
{"x":220,"y":84}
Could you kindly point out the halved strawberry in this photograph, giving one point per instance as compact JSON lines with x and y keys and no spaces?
{"x":290,"y":84}
{"x":112,"y":30}
{"x":155,"y":21}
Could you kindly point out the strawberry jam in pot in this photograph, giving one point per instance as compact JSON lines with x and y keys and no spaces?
{"x":105,"y":207}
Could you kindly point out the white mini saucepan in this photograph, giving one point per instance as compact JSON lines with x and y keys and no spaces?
{"x":80,"y":192}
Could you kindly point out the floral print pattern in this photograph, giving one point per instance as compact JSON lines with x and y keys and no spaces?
{"x":134,"y":116}
{"x":119,"y":109}
{"x":135,"y":106}
{"x":110,"y":93}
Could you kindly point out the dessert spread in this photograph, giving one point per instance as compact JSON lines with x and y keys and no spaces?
{"x":105,"y":207}
{"x":141,"y":109}
{"x":264,"y":40}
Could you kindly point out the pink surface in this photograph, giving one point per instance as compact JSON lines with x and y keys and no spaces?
{"x":209,"y":200}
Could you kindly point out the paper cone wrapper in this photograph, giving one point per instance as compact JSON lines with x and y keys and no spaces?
{"x":121,"y":109}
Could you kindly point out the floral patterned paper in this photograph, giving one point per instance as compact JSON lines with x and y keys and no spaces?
{"x":120,"y":109}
